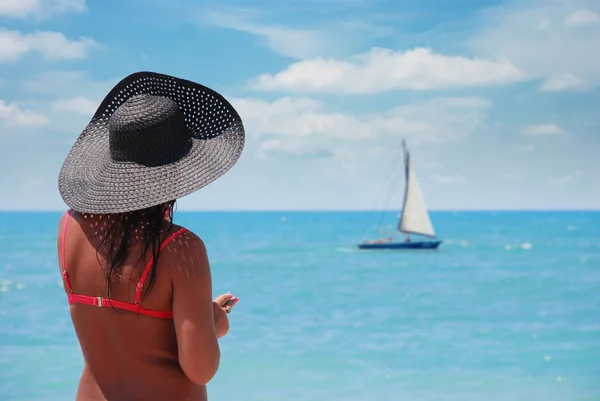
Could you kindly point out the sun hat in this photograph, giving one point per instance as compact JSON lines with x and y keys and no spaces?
{"x":153,"y":139}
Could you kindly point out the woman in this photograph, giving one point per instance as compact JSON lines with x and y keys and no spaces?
{"x":139,"y":286}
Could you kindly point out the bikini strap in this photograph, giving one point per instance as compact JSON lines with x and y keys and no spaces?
{"x":140,"y":285}
{"x":64,"y":265}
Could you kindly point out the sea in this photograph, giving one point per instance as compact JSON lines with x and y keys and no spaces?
{"x":508,"y":308}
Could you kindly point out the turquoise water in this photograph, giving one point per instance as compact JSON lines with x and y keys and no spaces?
{"x":507,"y":309}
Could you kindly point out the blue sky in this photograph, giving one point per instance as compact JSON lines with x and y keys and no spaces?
{"x":498,"y":101}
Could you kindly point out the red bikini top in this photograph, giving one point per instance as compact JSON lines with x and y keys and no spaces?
{"x":101,"y":302}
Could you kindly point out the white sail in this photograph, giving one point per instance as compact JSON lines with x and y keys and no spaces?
{"x":415,"y":218}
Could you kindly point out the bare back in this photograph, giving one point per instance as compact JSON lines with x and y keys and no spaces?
{"x":128,"y":356}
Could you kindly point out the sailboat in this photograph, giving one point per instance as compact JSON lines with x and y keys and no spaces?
{"x":414,"y":219}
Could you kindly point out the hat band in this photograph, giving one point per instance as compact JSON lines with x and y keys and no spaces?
{"x":151,"y":156}
{"x":160,"y":138}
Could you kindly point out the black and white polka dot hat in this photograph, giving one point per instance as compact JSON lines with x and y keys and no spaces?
{"x":153,"y":139}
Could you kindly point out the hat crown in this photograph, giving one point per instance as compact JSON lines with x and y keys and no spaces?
{"x":148,"y":130}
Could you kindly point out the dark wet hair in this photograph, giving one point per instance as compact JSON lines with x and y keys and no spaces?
{"x":122,"y":229}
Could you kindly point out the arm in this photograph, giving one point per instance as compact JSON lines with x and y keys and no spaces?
{"x":193,"y":311}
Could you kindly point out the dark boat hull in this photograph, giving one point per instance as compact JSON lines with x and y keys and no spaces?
{"x":402,"y":245}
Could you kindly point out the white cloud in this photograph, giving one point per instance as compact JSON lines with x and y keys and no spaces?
{"x":50,"y":45}
{"x":562,"y":57}
{"x":67,"y":98}
{"x":381,"y":70}
{"x":293,"y":148}
{"x":542,"y":130}
{"x":566,"y":178}
{"x":304,"y":127}
{"x":295,"y":43}
{"x":300,"y":43}
{"x":13,"y":115}
{"x":512,"y":177}
{"x":17,"y":8}
{"x":40,"y":8}
{"x":68,"y":84}
{"x":583,"y":17}
{"x":526,"y":148}
{"x":544,"y":24}
{"x":298,"y":117}
{"x":78,"y":105}
{"x":563,"y":82}
{"x":449,"y":179}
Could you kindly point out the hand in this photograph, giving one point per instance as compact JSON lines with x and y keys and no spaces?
{"x":222,"y":305}
{"x":226,"y":302}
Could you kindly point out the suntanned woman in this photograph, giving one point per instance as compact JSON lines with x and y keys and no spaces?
{"x":139,"y":286}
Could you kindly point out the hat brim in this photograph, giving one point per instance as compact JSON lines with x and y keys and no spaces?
{"x":90,"y":181}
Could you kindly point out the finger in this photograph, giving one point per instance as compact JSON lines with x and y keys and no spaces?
{"x":232,"y":302}
{"x":222,"y":299}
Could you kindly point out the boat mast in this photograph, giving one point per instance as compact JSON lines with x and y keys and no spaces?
{"x":406,"y":174}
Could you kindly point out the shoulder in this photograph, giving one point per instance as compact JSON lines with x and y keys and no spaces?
{"x":60,"y":237}
{"x":184,"y":237}
{"x":61,"y":226}
{"x":186,"y":251}
{"x":62,"y":220}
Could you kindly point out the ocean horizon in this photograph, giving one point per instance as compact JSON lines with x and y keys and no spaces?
{"x":505,"y":309}
{"x":388,"y":211}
